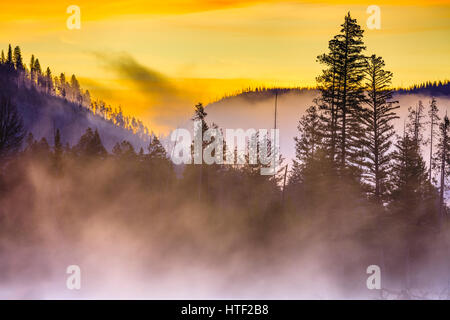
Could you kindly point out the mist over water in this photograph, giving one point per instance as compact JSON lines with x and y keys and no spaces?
{"x":137,"y":230}
{"x":92,"y":207}
{"x":163,"y":243}
{"x":137,"y":235}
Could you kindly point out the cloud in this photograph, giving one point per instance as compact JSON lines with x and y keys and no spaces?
{"x":145,"y":79}
{"x":165,"y":102}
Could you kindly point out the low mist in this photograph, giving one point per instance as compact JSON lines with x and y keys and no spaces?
{"x":137,"y":235}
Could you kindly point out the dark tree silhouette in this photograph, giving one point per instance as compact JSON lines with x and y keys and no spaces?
{"x":329,"y":85}
{"x":443,"y":160}
{"x":18,"y":61}
{"x":308,"y":143}
{"x":156,"y":150}
{"x":124,"y":150}
{"x":416,"y":123}
{"x":377,"y":119}
{"x":409,"y":173}
{"x":11,"y":128}
{"x":58,"y":151}
{"x":90,"y":144}
{"x":342,"y":91}
{"x":48,"y":81}
{"x":32,"y":70}
{"x":433,"y":114}
{"x":10,"y":59}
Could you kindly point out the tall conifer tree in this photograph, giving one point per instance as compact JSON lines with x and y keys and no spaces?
{"x":342,"y":92}
{"x":433,"y":114}
{"x":377,"y":120}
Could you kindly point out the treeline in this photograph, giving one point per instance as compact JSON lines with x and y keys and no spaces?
{"x":356,"y":181}
{"x":346,"y":139}
{"x":357,"y":194}
{"x":261,"y":92}
{"x":434,"y":87}
{"x":143,"y":183}
{"x":153,"y":166}
{"x":32,"y":75}
{"x":347,"y":144}
{"x":429,"y":88}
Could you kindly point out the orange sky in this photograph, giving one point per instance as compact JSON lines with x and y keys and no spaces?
{"x":200,"y":50}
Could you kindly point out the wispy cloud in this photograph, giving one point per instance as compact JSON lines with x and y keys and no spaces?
{"x":165,"y":102}
{"x":147,"y":80}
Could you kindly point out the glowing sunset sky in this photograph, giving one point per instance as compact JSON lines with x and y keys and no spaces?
{"x":200,"y":50}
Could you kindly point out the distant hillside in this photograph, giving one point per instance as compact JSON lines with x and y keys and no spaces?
{"x":47,"y":103}
{"x":255,"y":109}
{"x":441,"y":88}
{"x":436,"y":89}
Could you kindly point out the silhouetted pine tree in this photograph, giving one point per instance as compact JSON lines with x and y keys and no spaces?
{"x":156,"y":150}
{"x":90,"y":144}
{"x":32,"y":71}
{"x":41,"y":151}
{"x":37,"y":67}
{"x":416,"y":123}
{"x":312,"y":168}
{"x":329,"y":85}
{"x":157,"y":153}
{"x":442,"y":162}
{"x":38,"y":72}
{"x":57,"y":151}
{"x":75,"y":94}
{"x":342,"y":83}
{"x":377,"y":120}
{"x":409,"y":176}
{"x":48,"y":81}
{"x":18,"y":61}
{"x":29,"y":141}
{"x":308,"y":142}
{"x":124,"y":151}
{"x":11,"y":128}
{"x":200,"y":115}
{"x":433,"y":114}
{"x":9,"y":59}
{"x":62,"y":85}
